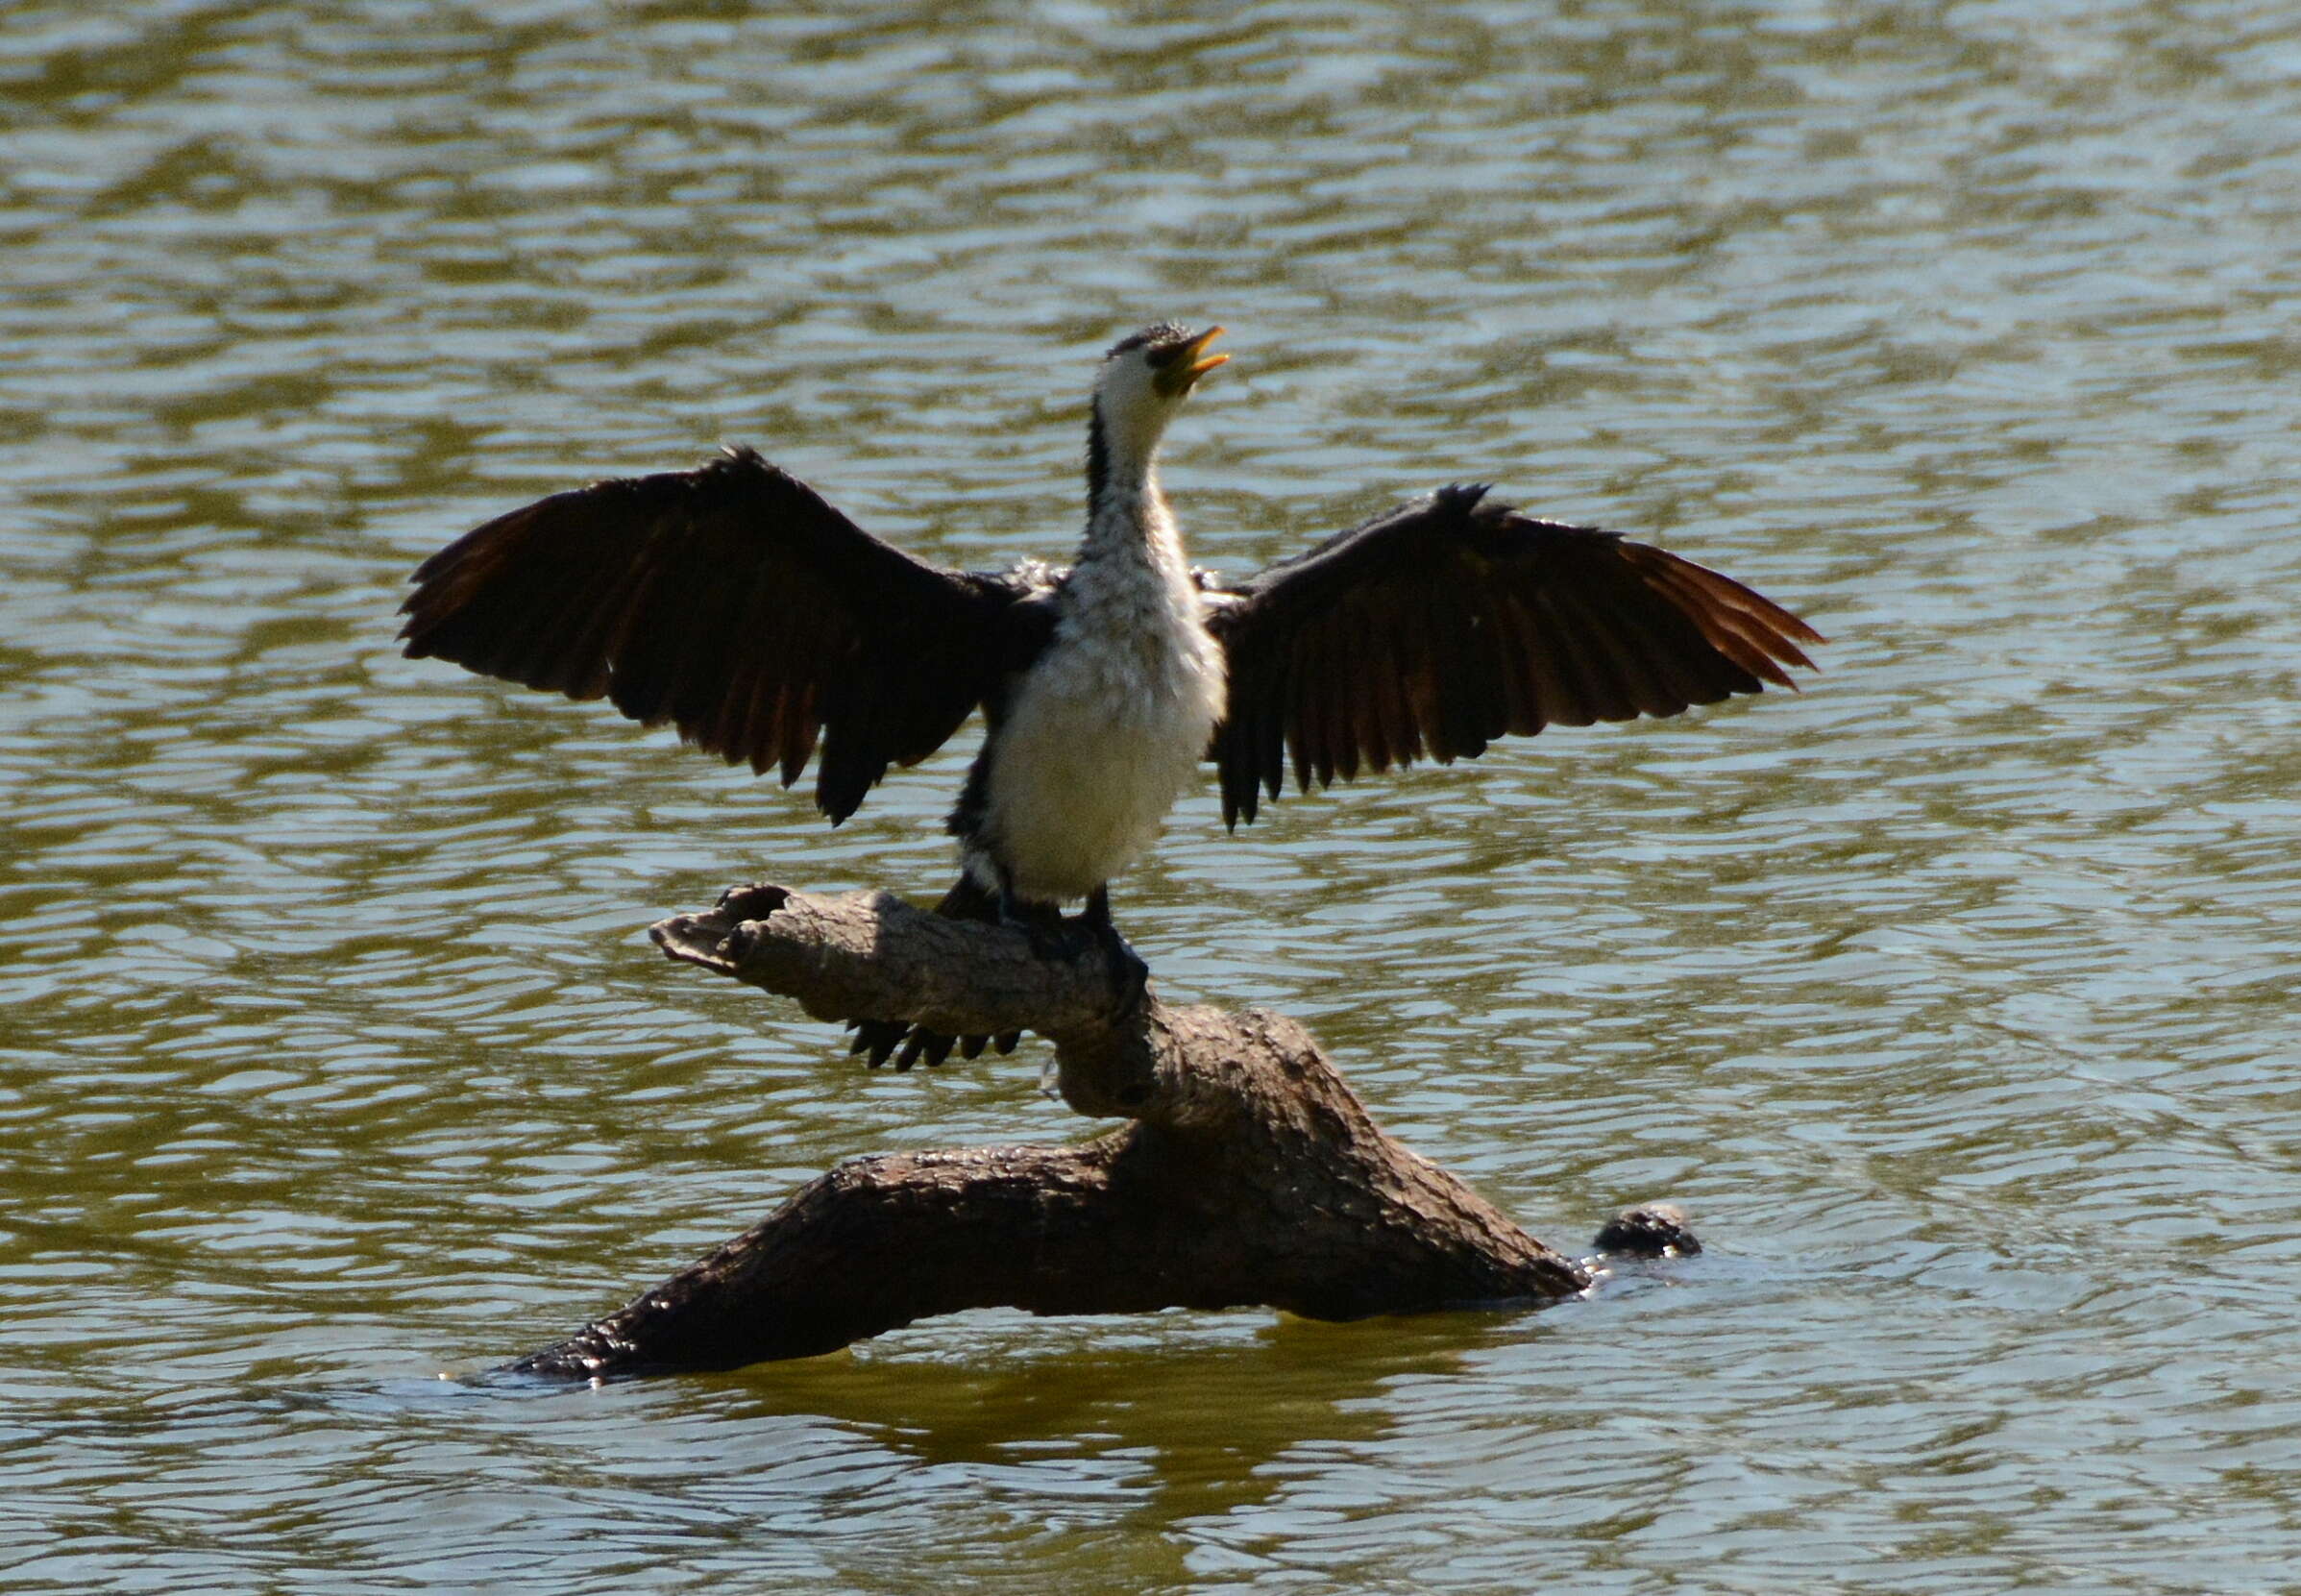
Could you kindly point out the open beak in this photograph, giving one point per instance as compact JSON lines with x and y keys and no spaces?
{"x":1190,"y":362}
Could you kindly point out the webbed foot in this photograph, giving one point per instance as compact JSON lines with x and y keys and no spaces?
{"x":1128,"y":972}
{"x":1042,"y":923}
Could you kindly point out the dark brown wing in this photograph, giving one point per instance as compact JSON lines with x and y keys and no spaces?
{"x":1438,"y":628}
{"x":733,"y":603}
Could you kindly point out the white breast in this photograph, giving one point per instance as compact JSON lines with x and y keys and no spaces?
{"x":1105,"y":732}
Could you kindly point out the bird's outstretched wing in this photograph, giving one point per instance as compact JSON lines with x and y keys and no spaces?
{"x":733,"y":603}
{"x":1434,"y":629}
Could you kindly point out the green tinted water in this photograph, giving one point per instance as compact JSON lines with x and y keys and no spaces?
{"x":1955,"y":997}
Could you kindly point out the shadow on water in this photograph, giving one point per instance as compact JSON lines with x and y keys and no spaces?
{"x":1192,"y":1413}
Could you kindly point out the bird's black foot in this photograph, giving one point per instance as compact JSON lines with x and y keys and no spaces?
{"x":898,"y":1042}
{"x":1042,"y":923}
{"x":1128,"y":972}
{"x":1052,"y":938}
{"x":905,"y":1045}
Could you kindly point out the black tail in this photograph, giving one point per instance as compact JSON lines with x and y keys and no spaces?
{"x":878,"y":1039}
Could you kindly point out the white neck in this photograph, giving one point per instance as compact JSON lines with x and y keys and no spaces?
{"x":1126,"y":513}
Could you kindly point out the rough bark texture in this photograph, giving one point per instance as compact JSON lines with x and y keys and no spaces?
{"x":1249,"y":1174}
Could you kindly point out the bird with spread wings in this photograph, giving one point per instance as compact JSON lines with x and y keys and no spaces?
{"x":738,"y":605}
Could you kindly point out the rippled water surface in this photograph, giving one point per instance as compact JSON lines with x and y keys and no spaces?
{"x":1955,"y":997}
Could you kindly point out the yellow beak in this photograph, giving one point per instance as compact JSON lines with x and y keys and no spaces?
{"x":1187,"y":364}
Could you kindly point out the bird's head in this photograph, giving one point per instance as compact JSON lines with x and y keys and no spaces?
{"x":1145,"y":379}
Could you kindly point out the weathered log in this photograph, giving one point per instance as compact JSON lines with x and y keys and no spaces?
{"x":1249,"y":1173}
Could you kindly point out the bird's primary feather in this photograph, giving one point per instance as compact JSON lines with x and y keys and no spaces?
{"x":736,"y":604}
{"x":1452,"y":621}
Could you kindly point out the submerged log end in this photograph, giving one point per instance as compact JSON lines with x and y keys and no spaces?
{"x":1647,"y":1230}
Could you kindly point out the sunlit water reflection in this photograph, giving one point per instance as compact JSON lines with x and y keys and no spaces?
{"x":1955,"y":996}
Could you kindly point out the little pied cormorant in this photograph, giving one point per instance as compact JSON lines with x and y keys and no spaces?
{"x":737,"y":604}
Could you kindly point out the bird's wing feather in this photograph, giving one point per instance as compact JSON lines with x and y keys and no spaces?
{"x":1449,"y":622}
{"x":735,"y":603}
